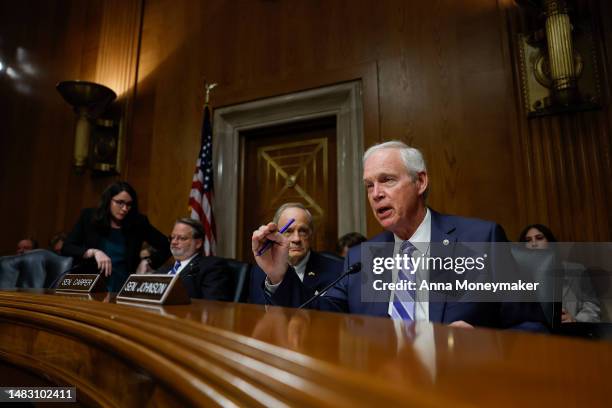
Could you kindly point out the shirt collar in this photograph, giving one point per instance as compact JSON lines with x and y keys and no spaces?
{"x":422,"y":236}
{"x":302,"y":264}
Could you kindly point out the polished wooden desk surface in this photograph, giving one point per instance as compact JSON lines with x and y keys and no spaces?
{"x":215,"y":353}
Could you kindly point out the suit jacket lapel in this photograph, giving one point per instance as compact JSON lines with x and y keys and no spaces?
{"x":442,"y":229}
{"x":190,"y":278}
{"x":380,"y":307}
{"x":443,"y":242}
{"x":312,"y":271}
{"x":193,"y":265}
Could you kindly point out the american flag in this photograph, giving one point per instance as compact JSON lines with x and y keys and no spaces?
{"x":200,"y":198}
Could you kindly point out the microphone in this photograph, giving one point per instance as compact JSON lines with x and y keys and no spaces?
{"x":354,"y":268}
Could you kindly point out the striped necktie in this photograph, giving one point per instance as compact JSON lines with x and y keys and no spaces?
{"x":175,"y":268}
{"x":403,"y":307}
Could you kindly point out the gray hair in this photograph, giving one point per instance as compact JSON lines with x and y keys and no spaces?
{"x":411,"y":157}
{"x":196,"y":227}
{"x":301,"y":206}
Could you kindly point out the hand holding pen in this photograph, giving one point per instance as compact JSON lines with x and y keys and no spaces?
{"x":269,"y":242}
{"x":271,"y":250}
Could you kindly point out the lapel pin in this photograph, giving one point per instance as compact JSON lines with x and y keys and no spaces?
{"x":445,"y":242}
{"x":311,"y":273}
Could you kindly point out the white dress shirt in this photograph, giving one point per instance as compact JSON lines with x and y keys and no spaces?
{"x":300,"y":268}
{"x":420,"y":239}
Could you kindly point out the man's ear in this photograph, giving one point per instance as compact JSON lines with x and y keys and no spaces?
{"x":199,"y":244}
{"x":422,"y":181}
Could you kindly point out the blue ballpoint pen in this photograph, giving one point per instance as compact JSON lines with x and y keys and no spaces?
{"x":269,"y":243}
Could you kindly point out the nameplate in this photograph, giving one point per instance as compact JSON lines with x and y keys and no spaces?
{"x":82,"y":282}
{"x":156,"y":288}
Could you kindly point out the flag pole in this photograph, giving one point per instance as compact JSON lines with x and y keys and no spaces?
{"x":201,"y":194}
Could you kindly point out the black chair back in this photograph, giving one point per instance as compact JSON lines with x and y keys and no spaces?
{"x":240,"y":279}
{"x":34,"y":269}
{"x":543,"y":266}
{"x":331,"y":255}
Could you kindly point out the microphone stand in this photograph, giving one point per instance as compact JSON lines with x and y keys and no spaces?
{"x":354,"y":268}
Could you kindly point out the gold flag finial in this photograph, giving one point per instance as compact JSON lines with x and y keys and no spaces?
{"x":208,"y":88}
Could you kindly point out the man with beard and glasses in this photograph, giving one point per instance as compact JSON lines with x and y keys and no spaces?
{"x":205,"y":277}
{"x":313,"y":269}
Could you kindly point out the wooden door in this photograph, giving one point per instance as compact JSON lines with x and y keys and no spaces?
{"x":289,"y":163}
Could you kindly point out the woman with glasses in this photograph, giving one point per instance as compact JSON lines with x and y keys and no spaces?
{"x":111,"y":236}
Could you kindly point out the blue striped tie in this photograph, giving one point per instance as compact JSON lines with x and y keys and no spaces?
{"x":175,"y":268}
{"x":404,"y":300}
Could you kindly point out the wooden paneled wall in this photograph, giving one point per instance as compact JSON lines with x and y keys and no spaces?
{"x":440,"y":75}
{"x":45,"y":43}
{"x":565,"y":164}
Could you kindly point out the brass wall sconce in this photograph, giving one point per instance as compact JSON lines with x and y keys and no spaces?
{"x":558,"y":61}
{"x":97,"y":136}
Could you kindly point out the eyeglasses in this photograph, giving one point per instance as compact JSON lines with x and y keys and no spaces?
{"x":302,"y":232}
{"x":122,"y":204}
{"x":180,"y":238}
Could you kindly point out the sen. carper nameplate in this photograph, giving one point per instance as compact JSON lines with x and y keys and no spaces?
{"x":156,"y":288}
{"x":82,"y":282}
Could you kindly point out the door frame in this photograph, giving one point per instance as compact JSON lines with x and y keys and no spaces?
{"x":342,"y":101}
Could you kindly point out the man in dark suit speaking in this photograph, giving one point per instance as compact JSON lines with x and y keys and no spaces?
{"x":396,"y":181}
{"x":313,"y":270}
{"x":204,"y":277}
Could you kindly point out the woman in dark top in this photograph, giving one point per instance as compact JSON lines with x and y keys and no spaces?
{"x":110,"y":236}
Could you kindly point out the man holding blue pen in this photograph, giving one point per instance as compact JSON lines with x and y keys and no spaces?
{"x":312,"y":269}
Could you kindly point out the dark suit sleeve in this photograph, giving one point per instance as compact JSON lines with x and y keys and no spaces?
{"x":75,"y":244}
{"x":158,"y":241}
{"x":215,"y":280}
